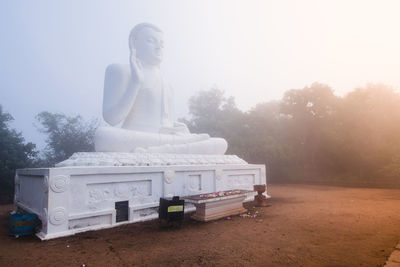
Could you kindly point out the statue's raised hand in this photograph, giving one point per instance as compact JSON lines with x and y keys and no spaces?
{"x":136,"y":68}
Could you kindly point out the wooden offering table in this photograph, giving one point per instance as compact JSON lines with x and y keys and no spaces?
{"x":220,"y":204}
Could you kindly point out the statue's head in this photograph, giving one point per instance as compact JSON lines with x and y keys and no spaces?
{"x":148,"y":42}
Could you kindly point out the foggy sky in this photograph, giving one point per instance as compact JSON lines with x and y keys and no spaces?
{"x":53,"y":54}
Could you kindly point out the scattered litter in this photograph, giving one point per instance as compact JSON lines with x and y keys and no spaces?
{"x":67,"y":246}
{"x":228,"y":218}
{"x":249,"y":215}
{"x":220,"y":194}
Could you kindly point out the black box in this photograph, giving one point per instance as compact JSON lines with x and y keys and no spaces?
{"x":171,"y":210}
{"x":122,"y":211}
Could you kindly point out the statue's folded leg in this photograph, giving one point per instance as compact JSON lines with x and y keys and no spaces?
{"x":217,"y":146}
{"x":109,"y":139}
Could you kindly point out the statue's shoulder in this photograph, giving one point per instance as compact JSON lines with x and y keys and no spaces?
{"x":117,"y":77}
{"x":117,"y":71}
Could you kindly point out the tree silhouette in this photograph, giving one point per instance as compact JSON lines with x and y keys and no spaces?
{"x":14,"y":154}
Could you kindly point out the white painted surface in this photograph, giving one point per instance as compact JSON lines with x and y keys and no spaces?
{"x":146,"y":159}
{"x":77,"y":199}
{"x":216,"y":199}
{"x":81,"y":193}
{"x":137,"y":96}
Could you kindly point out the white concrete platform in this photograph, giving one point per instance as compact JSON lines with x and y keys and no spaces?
{"x":70,"y":200}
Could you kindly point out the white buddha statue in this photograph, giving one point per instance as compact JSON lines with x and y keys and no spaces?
{"x":137,"y":96}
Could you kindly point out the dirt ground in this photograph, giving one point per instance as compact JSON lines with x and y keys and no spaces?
{"x":303,"y":226}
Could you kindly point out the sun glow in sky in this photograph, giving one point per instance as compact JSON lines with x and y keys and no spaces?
{"x":54,"y":53}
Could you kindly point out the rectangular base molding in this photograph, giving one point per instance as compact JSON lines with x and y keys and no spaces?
{"x":70,"y":200}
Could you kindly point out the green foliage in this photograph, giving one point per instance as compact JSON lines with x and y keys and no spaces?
{"x":266,"y":143}
{"x":14,"y":154}
{"x":311,"y":134}
{"x":310,"y":114}
{"x":65,"y":136}
{"x":373,"y":115}
{"x":211,"y":112}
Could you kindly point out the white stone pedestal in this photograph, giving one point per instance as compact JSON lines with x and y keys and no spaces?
{"x":69,"y":200}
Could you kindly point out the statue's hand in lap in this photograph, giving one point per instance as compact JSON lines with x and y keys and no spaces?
{"x":179,"y":128}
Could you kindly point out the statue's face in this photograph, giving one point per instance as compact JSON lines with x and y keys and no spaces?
{"x":149,"y":45}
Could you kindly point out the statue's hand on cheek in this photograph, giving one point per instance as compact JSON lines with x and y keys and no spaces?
{"x":136,"y":68}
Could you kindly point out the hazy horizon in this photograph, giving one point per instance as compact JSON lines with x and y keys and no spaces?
{"x":54,"y":54}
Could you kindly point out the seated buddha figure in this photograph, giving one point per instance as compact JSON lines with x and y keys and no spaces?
{"x":137,"y":98}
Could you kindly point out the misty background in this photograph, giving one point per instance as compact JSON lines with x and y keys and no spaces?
{"x":310,"y":88}
{"x":54,"y":53}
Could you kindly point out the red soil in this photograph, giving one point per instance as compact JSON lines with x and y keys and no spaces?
{"x":303,"y":226}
